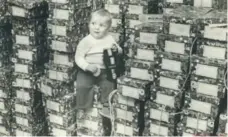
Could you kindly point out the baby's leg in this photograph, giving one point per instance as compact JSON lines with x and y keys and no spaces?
{"x":85,"y":93}
{"x":106,"y":87}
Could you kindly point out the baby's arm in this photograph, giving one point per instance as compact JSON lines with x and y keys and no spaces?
{"x":81,"y":51}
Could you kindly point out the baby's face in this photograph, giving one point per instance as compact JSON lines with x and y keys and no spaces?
{"x":99,"y":26}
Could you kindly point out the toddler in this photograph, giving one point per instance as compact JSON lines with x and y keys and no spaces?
{"x":89,"y":58}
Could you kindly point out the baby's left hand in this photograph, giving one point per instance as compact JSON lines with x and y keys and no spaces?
{"x":114,"y":47}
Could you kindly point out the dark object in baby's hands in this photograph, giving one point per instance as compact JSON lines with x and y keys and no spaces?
{"x":112,"y":61}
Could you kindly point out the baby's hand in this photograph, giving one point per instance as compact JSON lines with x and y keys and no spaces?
{"x":92,"y":68}
{"x":114,"y":47}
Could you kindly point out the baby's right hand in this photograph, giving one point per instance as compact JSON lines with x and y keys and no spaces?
{"x":92,"y":68}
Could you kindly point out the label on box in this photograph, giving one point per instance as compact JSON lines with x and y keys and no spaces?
{"x":61,"y":14}
{"x":131,"y":92}
{"x":175,"y":1}
{"x":24,"y":40}
{"x":60,"y":1}
{"x":112,"y":8}
{"x":23,"y":83}
{"x":215,"y":33}
{"x":22,"y":133}
{"x":2,"y":94}
{"x":159,"y":115}
{"x":21,"y":109}
{"x":203,"y":3}
{"x":59,"y":45}
{"x":172,"y":65}
{"x":200,"y":106}
{"x":53,"y":105}
{"x":2,"y":105}
{"x":188,"y":134}
{"x":142,"y":74}
{"x":206,"y":71}
{"x":133,"y":23}
{"x":165,"y":100}
{"x":61,"y":59}
{"x":169,"y":83}
{"x":135,"y":9}
{"x":23,"y":54}
{"x":214,"y":52}
{"x":3,"y":130}
{"x":92,"y":112}
{"x":55,"y":119}
{"x":179,"y":29}
{"x":115,"y":22}
{"x":124,"y":115}
{"x":90,"y":124}
{"x":159,"y":130}
{"x":23,"y":95}
{"x":196,"y":123}
{"x":57,"y":75}
{"x":22,"y":121}
{"x":149,"y":38}
{"x":174,"y":47}
{"x":126,"y":101}
{"x":59,"y":132}
{"x":58,"y":30}
{"x":151,"y":18}
{"x":125,"y":130}
{"x":207,"y":89}
{"x":16,"y":11}
{"x":21,"y":68}
{"x":46,"y":89}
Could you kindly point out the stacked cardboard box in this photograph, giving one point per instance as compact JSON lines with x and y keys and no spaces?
{"x":67,"y":25}
{"x":91,"y":123}
{"x":187,"y":28}
{"x":126,"y":115}
{"x":117,"y":9}
{"x":165,"y":98}
{"x":170,"y":5}
{"x":139,"y":71}
{"x":5,"y":92}
{"x":208,"y":75}
{"x":29,"y":43}
{"x":216,"y":4}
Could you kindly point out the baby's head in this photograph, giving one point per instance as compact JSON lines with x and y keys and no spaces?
{"x":100,"y":23}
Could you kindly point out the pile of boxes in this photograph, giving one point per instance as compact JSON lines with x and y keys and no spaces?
{"x":208,"y":67}
{"x":134,"y":87}
{"x":28,"y":58}
{"x":5,"y":76}
{"x":67,"y":25}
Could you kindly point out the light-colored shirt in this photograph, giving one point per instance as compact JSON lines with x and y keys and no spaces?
{"x":90,"y":51}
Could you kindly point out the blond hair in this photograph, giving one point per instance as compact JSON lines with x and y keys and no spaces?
{"x":103,"y":13}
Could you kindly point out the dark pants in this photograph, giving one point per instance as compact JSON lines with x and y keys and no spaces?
{"x":85,"y":92}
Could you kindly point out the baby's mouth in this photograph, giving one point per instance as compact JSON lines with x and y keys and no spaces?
{"x":96,"y":32}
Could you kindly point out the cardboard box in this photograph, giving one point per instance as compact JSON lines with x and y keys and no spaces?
{"x":212,"y":70}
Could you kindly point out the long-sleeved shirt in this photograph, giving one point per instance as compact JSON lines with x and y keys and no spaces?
{"x":90,"y":51}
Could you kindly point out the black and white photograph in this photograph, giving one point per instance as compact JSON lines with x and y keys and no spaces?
{"x":113,"y":68}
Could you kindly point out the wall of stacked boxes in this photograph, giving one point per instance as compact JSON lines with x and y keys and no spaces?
{"x":174,"y":68}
